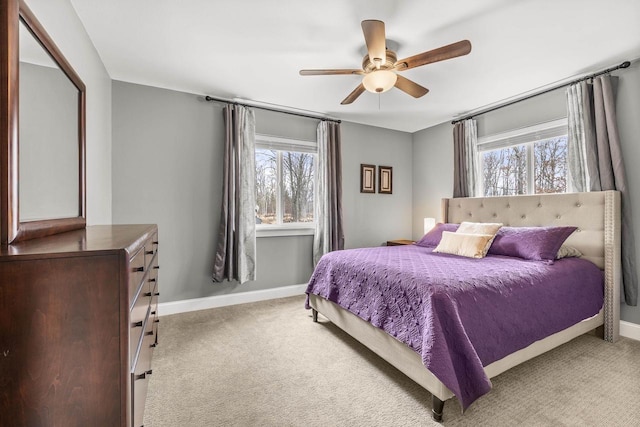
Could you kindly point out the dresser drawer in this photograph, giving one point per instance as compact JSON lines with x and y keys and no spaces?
{"x":139,"y":388}
{"x":141,"y":373}
{"x":144,"y":311}
{"x":137,"y":268}
{"x":150,"y":249}
{"x":151,"y":281}
{"x":154,"y":301}
{"x":138,"y":318}
{"x":153,"y":314}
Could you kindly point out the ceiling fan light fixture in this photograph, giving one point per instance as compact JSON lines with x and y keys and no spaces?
{"x":380,"y":64}
{"x":379,"y":81}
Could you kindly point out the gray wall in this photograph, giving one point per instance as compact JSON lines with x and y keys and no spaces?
{"x":167,"y":169}
{"x":60,"y":20}
{"x":628,"y":109}
{"x":372,"y":219}
{"x":432,"y":173}
{"x":433,"y":151}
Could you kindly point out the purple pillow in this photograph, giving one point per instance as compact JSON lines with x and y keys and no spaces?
{"x":534,"y":243}
{"x":432,"y":238}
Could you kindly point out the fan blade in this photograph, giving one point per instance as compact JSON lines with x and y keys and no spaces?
{"x":328,"y":72}
{"x":410,"y":87}
{"x":440,"y":54}
{"x":353,"y":95}
{"x":376,"y":41}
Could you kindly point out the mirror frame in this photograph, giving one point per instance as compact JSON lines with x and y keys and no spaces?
{"x":11,"y":229}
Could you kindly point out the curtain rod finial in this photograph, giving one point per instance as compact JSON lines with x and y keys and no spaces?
{"x":625,"y":64}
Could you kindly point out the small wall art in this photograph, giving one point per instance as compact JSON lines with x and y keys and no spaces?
{"x":367,"y":178}
{"x":385,"y":179}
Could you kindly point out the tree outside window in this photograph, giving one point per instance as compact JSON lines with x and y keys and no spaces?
{"x":284,"y":186}
{"x":504,"y":171}
{"x":550,"y":165}
{"x":266,"y":186}
{"x":525,"y":163}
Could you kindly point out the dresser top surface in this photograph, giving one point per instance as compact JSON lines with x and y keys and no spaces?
{"x":96,"y":238}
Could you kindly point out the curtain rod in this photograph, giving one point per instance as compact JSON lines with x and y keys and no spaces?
{"x":625,"y":64}
{"x":308,"y":116}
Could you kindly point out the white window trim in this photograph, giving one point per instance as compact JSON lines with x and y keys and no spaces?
{"x":485,"y":143}
{"x":285,"y":144}
{"x":282,"y":143}
{"x":515,"y":137}
{"x":284,"y":230}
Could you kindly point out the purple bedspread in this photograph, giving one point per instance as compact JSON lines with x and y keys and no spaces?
{"x":459,"y":314}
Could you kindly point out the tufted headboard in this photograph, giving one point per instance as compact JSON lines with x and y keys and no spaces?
{"x":596,"y":214}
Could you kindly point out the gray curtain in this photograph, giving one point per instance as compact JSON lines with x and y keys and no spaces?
{"x":576,"y":142}
{"x":592,"y":107}
{"x":581,"y":145}
{"x":465,"y":159}
{"x":328,"y":235}
{"x":235,"y":257}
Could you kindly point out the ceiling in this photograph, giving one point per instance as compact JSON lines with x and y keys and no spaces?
{"x":252,"y":50}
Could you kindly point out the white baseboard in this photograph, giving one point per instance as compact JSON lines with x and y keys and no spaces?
{"x":630,"y":330}
{"x":184,"y":306}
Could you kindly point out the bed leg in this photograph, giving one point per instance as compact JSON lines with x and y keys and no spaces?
{"x":438,"y":406}
{"x":599,"y":331}
{"x":314,"y":313}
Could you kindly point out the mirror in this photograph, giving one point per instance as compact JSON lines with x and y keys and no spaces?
{"x":48,"y":136}
{"x":43,"y":157}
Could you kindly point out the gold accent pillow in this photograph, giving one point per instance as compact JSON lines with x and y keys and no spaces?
{"x":481,"y":228}
{"x":464,"y":244}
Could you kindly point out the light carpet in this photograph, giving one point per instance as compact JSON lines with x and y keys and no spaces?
{"x":268,"y":364}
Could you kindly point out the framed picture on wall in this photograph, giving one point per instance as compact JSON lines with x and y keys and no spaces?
{"x":367,"y":178}
{"x":385,"y":179}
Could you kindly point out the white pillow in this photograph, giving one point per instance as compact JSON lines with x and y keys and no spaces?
{"x":464,"y":244}
{"x":485,"y":228}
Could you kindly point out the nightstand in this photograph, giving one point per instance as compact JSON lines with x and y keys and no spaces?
{"x":400,"y":242}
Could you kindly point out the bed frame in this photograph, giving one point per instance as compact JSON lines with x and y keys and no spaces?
{"x":597,"y":216}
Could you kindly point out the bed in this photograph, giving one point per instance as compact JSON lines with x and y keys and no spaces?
{"x":597,"y":218}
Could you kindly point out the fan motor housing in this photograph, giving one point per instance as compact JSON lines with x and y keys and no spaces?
{"x":391,"y":59}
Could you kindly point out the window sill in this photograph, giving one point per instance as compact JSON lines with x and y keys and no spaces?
{"x":280,"y":231}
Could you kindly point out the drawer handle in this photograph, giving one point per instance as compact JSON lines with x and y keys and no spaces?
{"x":153,"y":280}
{"x":148,"y":333}
{"x":144,"y":374}
{"x":149,"y":252}
{"x":148,"y":294}
{"x":155,"y":243}
{"x":154,"y":345}
{"x":156,"y":321}
{"x":156,"y":267}
{"x":137,"y":324}
{"x":138,"y":269}
{"x":153,"y":312}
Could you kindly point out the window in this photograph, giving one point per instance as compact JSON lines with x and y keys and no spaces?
{"x":284,"y":182}
{"x":531,"y":160}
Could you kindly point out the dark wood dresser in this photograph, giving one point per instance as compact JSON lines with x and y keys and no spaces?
{"x":400,"y":242}
{"x":78,"y":325}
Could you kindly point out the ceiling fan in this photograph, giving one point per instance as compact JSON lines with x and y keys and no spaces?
{"x":380,"y":65}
